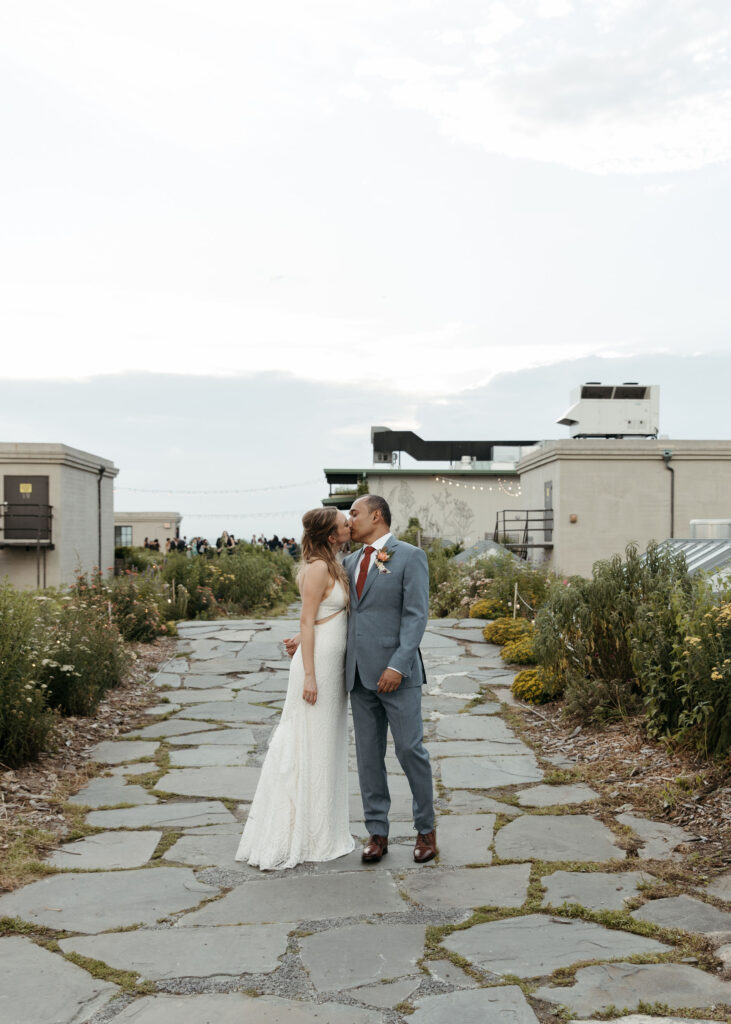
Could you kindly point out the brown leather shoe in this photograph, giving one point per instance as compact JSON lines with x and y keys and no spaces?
{"x":374,"y":849}
{"x":426,"y":846}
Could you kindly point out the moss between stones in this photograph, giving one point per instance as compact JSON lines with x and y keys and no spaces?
{"x":127,"y":980}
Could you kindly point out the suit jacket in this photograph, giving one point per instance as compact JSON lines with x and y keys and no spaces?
{"x":386,"y":625}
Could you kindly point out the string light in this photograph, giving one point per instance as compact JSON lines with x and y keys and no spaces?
{"x":500,"y":484}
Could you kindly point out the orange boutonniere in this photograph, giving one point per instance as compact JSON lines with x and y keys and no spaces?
{"x":382,"y":557}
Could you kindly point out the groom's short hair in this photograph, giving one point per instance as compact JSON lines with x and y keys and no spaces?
{"x":375,"y":501}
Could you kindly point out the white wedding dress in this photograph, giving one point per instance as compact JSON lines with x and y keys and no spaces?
{"x":300,"y":808}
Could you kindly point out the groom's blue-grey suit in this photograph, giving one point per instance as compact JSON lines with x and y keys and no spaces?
{"x":385,"y":627}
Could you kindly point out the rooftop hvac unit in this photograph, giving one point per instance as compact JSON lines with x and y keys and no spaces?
{"x":613,"y":410}
{"x":710,"y":529}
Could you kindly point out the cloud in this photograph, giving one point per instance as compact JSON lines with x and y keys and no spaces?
{"x":620,"y":88}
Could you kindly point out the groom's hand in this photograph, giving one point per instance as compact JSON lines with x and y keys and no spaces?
{"x":390,"y":680}
{"x":292,"y":643}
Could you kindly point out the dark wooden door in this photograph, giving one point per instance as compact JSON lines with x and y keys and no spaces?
{"x":27,"y":514}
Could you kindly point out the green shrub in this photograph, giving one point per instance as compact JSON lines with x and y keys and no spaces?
{"x":488,"y":608}
{"x":25,"y":719}
{"x":137,"y":606}
{"x":588,"y":631}
{"x":84,"y":655}
{"x":519,"y":652}
{"x":702,"y":678}
{"x":502,"y":631}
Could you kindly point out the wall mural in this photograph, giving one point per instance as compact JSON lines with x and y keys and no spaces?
{"x":441,"y":515}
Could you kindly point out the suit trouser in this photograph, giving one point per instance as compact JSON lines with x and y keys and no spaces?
{"x":373,"y":714}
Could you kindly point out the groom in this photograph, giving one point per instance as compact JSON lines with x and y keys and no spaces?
{"x":384,"y":673}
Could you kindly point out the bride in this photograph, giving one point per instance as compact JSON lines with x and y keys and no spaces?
{"x":300,"y":808}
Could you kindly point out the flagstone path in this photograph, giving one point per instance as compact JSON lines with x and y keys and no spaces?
{"x":154,"y":890}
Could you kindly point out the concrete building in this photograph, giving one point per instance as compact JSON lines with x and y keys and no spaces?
{"x":131,"y":528}
{"x":457,"y":505}
{"x":564,"y":503}
{"x":587,"y":499}
{"x":57,"y":514}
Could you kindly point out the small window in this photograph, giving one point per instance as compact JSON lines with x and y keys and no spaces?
{"x":123,"y":536}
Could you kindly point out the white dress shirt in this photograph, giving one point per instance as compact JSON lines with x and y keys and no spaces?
{"x":377,"y":544}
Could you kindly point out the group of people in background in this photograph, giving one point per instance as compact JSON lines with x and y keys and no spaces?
{"x":287,"y":544}
{"x":226,"y":542}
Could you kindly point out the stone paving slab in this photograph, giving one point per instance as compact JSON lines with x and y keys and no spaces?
{"x":122,"y":771}
{"x":535,"y":945}
{"x":236,"y":1008}
{"x":604,"y":986}
{"x":183,"y":813}
{"x":198,"y":696}
{"x":465,"y":838}
{"x":237,"y":711}
{"x":596,"y":890}
{"x":504,"y":1003}
{"x":243,"y":735}
{"x":162,"y":954}
{"x":361,"y":954}
{"x":172,"y":728}
{"x":217,"y":850}
{"x":387,"y":994}
{"x":461,"y":800}
{"x":548,"y":796}
{"x":461,"y":727}
{"x":103,"y":792}
{"x":446,"y":972}
{"x":302,"y":898}
{"x":462,"y":748}
{"x":660,"y":840}
{"x":172,"y":679}
{"x":720,"y":887}
{"x":208,"y":755}
{"x":164,"y":708}
{"x":502,"y":886}
{"x":209,"y":683}
{"x":96,"y":901}
{"x":119,"y":751}
{"x":490,"y":773}
{"x":106,"y":851}
{"x":577,"y":837}
{"x":222,"y":666}
{"x":222,"y":782}
{"x":66,"y":995}
{"x":686,"y":913}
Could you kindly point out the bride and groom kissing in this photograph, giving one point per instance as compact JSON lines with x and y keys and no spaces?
{"x":361,"y":625}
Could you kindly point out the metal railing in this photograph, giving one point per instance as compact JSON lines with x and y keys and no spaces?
{"x":517,"y":529}
{"x":29,"y":526}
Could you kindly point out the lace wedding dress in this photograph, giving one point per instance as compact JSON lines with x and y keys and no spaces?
{"x":300,"y":808}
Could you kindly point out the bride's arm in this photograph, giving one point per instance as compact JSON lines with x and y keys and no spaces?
{"x":314,"y":584}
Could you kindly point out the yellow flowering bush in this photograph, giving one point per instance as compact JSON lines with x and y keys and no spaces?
{"x":501,"y":631}
{"x":488,"y":608}
{"x":535,"y":686}
{"x":520,"y":651}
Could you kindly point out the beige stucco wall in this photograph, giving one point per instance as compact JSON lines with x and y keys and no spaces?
{"x":150,"y":525}
{"x":463,"y":513}
{"x":620,"y":493}
{"x":72,"y":491}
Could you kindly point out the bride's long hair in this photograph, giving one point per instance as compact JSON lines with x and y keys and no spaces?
{"x":318,"y":524}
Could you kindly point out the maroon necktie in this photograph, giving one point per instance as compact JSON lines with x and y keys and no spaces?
{"x":364,"y":566}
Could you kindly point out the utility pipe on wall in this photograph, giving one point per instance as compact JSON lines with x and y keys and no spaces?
{"x":667,"y":456}
{"x":99,"y":511}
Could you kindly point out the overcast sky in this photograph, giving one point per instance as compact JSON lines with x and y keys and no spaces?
{"x":414,"y":197}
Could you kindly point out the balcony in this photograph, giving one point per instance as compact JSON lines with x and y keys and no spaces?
{"x":25,"y":525}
